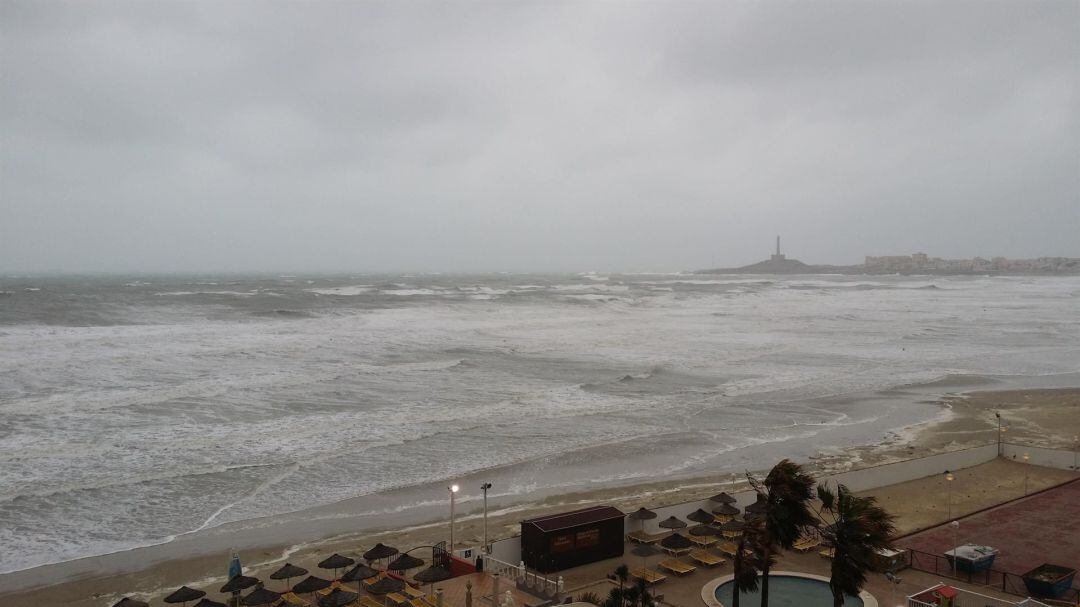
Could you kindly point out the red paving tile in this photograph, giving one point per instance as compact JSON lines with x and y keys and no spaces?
{"x":1042,"y":528}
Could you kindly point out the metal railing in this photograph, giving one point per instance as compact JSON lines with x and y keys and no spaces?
{"x":967,"y":598}
{"x":1009,"y":583}
{"x":529,"y":581}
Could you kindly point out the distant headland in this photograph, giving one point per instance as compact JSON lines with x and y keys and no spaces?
{"x":918,"y":263}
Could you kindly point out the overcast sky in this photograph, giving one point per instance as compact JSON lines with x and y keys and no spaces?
{"x":481,"y":136}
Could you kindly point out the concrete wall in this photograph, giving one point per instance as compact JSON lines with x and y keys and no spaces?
{"x":1041,"y":456}
{"x":909,"y":470}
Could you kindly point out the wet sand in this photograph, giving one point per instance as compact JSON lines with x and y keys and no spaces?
{"x":1043,"y":417}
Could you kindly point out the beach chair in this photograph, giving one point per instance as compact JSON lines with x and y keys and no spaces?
{"x":290,"y":598}
{"x":703,"y":540}
{"x":706,"y":558}
{"x":414,"y":593}
{"x":332,"y":587}
{"x":675,"y":551}
{"x":369,"y":601}
{"x":418,"y":603}
{"x":397,"y":598}
{"x":729,"y":548}
{"x":677,"y":567}
{"x":827,"y":553}
{"x":807,"y":544}
{"x":649,"y":576}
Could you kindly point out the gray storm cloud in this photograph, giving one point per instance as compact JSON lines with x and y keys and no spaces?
{"x":364,"y":136}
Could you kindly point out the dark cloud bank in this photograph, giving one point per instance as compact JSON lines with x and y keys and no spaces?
{"x":483,"y":136}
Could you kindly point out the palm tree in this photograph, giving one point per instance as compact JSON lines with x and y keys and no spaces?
{"x":622,"y":573}
{"x":786,"y":491}
{"x":745,"y":567}
{"x":857,"y":528}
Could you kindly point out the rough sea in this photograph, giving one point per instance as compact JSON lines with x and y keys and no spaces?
{"x":136,"y":409}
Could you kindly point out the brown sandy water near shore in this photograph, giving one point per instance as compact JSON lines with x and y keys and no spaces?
{"x":1047,"y":417}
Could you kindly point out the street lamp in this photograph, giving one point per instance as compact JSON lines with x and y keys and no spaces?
{"x":998,"y":416}
{"x":1076,"y":452}
{"x":484,"y":488}
{"x":948,"y":482}
{"x":1027,"y":458}
{"x":956,"y":543}
{"x":453,"y":489}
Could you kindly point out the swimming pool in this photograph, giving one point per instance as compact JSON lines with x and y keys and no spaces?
{"x":786,"y":589}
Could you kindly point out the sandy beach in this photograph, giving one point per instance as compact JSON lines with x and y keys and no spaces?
{"x":1048,"y":417}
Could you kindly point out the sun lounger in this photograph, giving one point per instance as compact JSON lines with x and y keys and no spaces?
{"x":807,"y":544}
{"x":368,"y":601}
{"x":419,"y":603}
{"x":397,"y":599}
{"x":827,"y":553}
{"x":650,"y":576}
{"x":677,"y":567}
{"x":729,"y":548}
{"x":332,"y":587}
{"x":703,"y":540}
{"x":644,"y":538}
{"x":290,"y":598}
{"x":675,"y":551}
{"x":706,"y":558}
{"x":414,"y":593}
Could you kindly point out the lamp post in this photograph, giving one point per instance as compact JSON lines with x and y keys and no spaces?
{"x":998,"y":416}
{"x":948,"y":483}
{"x":453,"y":489}
{"x":484,"y":488}
{"x":1076,"y":452}
{"x":1027,"y":458}
{"x":955,"y":532}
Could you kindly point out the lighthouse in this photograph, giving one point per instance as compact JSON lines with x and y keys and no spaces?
{"x":778,"y":256}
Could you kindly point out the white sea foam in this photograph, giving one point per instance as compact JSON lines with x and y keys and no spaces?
{"x":163,"y":420}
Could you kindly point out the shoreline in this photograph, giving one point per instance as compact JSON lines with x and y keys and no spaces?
{"x":966,"y":418}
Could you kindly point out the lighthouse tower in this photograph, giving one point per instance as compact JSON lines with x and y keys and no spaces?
{"x":778,"y":256}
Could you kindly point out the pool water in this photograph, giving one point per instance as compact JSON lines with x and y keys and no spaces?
{"x":788,"y":591}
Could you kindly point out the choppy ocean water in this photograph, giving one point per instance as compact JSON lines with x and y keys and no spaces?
{"x":137,"y":409}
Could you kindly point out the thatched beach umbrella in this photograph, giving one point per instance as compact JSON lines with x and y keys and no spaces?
{"x":130,"y":602}
{"x":700,"y":516}
{"x":758,"y":507}
{"x":641,"y":515}
{"x":644,"y":551}
{"x":386,"y":585}
{"x":184,"y":595}
{"x":260,"y":596}
{"x":287,"y":572}
{"x":238,"y":583}
{"x":431,"y":575}
{"x":336,"y":561}
{"x":358,"y":574}
{"x":311,"y":584}
{"x":379,"y":552}
{"x":676,"y":541}
{"x":672,"y":522}
{"x":725,"y":510}
{"x":733,"y":528}
{"x":703,"y":530}
{"x":208,"y":603}
{"x":723,"y":498}
{"x":338,"y":598}
{"x":404,"y":563}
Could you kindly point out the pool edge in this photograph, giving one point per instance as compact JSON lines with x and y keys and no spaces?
{"x":708,"y":591}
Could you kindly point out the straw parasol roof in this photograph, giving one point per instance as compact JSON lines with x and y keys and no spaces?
{"x":336,"y":561}
{"x":386,"y":585}
{"x":641,"y":514}
{"x":360,"y":572}
{"x":733,"y":525}
{"x":288,"y":571}
{"x":723,"y":498}
{"x":703,"y":530}
{"x":338,"y":598}
{"x":208,"y":603}
{"x":238,"y":583}
{"x":311,"y":584}
{"x":260,"y":596}
{"x":700,"y":516}
{"x":130,"y":602}
{"x":405,"y":562}
{"x":380,"y":551}
{"x":672,"y":522}
{"x":184,"y":594}
{"x":432,"y":574}
{"x":726,"y":510}
{"x":676,"y":541}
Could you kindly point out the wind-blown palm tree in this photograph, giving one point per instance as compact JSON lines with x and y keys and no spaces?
{"x":622,"y":573}
{"x":786,"y":491}
{"x":857,"y":528}
{"x":745,"y":567}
